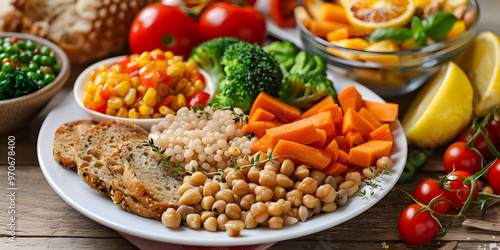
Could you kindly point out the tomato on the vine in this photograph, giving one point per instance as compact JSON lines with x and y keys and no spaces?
{"x":417,"y":229}
{"x":493,"y":176}
{"x":460,"y":192}
{"x":159,"y":26}
{"x":459,"y":157}
{"x":429,"y":190}
{"x":494,"y":127}
{"x":225,"y":19}
{"x":480,"y":143}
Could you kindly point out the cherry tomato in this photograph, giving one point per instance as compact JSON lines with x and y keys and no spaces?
{"x":459,"y":157}
{"x":429,"y":190}
{"x":493,"y":176}
{"x":494,"y":127}
{"x":480,"y":143}
{"x":200,"y":98}
{"x":163,"y":27}
{"x":460,"y":193}
{"x":417,"y":229}
{"x":225,"y":19}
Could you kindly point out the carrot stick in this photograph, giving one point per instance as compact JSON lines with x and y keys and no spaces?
{"x":363,"y":112}
{"x":321,"y":143}
{"x":350,"y":98}
{"x":343,"y":157}
{"x":384,"y":112}
{"x":333,"y":12}
{"x":321,"y":28}
{"x":261,"y":114}
{"x":354,"y":138}
{"x":314,"y":109}
{"x":316,"y":159}
{"x":284,"y":112}
{"x":337,"y":35}
{"x":334,"y":168}
{"x":259,"y":128}
{"x":323,"y":121}
{"x":382,"y":133}
{"x":366,"y":154}
{"x":342,"y":143}
{"x":301,"y":131}
{"x":333,"y":148}
{"x":262,"y":145}
{"x":334,"y":109}
{"x":354,"y":122}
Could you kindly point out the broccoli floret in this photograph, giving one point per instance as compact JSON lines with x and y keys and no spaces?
{"x":207,"y":55}
{"x":306,"y":64}
{"x":303,"y":91}
{"x":249,"y":70}
{"x":284,"y":53}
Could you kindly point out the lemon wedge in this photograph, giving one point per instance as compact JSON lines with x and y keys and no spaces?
{"x":441,"y":109}
{"x":481,"y":63}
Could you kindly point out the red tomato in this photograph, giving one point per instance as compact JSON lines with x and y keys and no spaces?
{"x":429,"y":190}
{"x":494,"y":127}
{"x":225,"y":19}
{"x":479,"y":143}
{"x":460,"y":193}
{"x":163,"y":27}
{"x":200,"y":98}
{"x":417,"y":229}
{"x":493,"y":176}
{"x":282,"y":12}
{"x":459,"y":157}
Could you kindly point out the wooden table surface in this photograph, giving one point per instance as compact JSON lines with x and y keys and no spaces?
{"x":45,"y":221}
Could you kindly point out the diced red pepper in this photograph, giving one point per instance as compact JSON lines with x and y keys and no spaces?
{"x":149,"y":81}
{"x":123,"y":63}
{"x":14,"y":40}
{"x":133,"y":73}
{"x":200,"y":98}
{"x":107,"y":91}
{"x":131,"y":67}
{"x":163,"y":77}
{"x":158,"y":57}
{"x":165,"y":102}
{"x":93,"y":106}
{"x":198,"y":76}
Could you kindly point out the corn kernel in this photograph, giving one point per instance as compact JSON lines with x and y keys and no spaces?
{"x":122,"y":77}
{"x":115,"y":102}
{"x":161,"y":65}
{"x":198,"y":84}
{"x":174,"y":71}
{"x":191,"y":65}
{"x":156,"y":52}
{"x":163,"y":90}
{"x":180,"y":100}
{"x":103,"y":68}
{"x":91,"y":88}
{"x":145,"y":56}
{"x":191,"y":91}
{"x":164,"y":110}
{"x":173,"y":103}
{"x":143,"y":63}
{"x":116,"y":69}
{"x":169,"y":54}
{"x":181,"y":84}
{"x":150,"y":97}
{"x":98,"y":99}
{"x":111,"y":111}
{"x":135,"y":81}
{"x":122,"y":88}
{"x":88,"y":98}
{"x":158,"y":115}
{"x":122,"y":112}
{"x":111,"y":81}
{"x":129,"y":99}
{"x":146,"y":110}
{"x":92,"y":75}
{"x":186,"y":88}
{"x":132,"y":113}
{"x":100,"y":79}
{"x":142,"y":89}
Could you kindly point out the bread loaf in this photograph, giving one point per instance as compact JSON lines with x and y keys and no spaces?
{"x":65,"y":140}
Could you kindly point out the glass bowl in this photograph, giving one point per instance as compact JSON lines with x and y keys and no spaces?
{"x":408,"y":69}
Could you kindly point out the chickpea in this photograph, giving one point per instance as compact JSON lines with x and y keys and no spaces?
{"x":267,"y":178}
{"x":384,"y":163}
{"x":184,"y":210}
{"x":205,"y":215}
{"x":350,"y":187}
{"x":317,"y":209}
{"x":309,"y":201}
{"x":186,"y":179}
{"x":339,"y":179}
{"x":247,"y":201}
{"x":244,"y":164}
{"x":308,"y":185}
{"x":193,"y":221}
{"x":232,"y":176}
{"x":190,"y":197}
{"x":197,"y":179}
{"x":287,"y":205}
{"x":253,"y":174}
{"x":318,"y":176}
{"x":488,"y":190}
{"x":284,"y":181}
{"x":303,"y":213}
{"x":251,"y":188}
{"x":368,"y":172}
{"x":233,"y":211}
{"x":171,"y":218}
{"x":234,"y":228}
{"x":207,"y":202}
{"x":197,"y":208}
{"x":223,"y":185}
{"x":240,"y":187}
{"x":225,"y":194}
{"x":279,"y":193}
{"x":288,"y":220}
{"x":272,"y":167}
{"x":219,"y":207}
{"x":341,"y":199}
{"x":354,"y":176}
{"x":236,"y":199}
{"x":326,"y":193}
{"x":243,"y":215}
{"x":275,"y":222}
{"x":210,"y":188}
{"x":263,"y":193}
{"x":275,"y":209}
{"x":295,"y":197}
{"x":184,"y":187}
{"x":332,"y":181}
{"x":259,"y":157}
{"x":295,"y":212}
{"x":301,"y":172}
{"x":287,"y":167}
{"x":259,"y":212}
{"x":221,"y":222}
{"x":250,"y":221}
{"x":210,"y":224}
{"x":329,"y":207}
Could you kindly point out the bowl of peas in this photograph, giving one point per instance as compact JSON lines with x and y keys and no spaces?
{"x":142,"y":88}
{"x":32,"y":70}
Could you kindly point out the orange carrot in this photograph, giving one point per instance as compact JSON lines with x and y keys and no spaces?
{"x":261,"y":114}
{"x":334,"y":169}
{"x":382,"y":133}
{"x":343,"y":157}
{"x":342,"y":143}
{"x":334,"y":109}
{"x":385,"y":112}
{"x":316,"y":159}
{"x":366,"y":154}
{"x":301,"y":131}
{"x":284,"y":112}
{"x":259,"y":128}
{"x":333,"y":12}
{"x":337,"y":35}
{"x":321,"y":143}
{"x":321,"y":28}
{"x":323,"y":121}
{"x":363,"y":112}
{"x":314,"y":109}
{"x":354,"y":122}
{"x":333,"y":148}
{"x":262,"y":145}
{"x":354,"y":138}
{"x":350,"y":98}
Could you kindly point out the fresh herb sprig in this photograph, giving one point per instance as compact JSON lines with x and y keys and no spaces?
{"x":200,"y":111}
{"x":435,"y":27}
{"x":238,"y":116}
{"x":373,"y":182}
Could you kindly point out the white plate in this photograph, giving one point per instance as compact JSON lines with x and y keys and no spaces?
{"x":99,"y":208}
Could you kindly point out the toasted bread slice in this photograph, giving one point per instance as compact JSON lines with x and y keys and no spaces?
{"x":65,"y":140}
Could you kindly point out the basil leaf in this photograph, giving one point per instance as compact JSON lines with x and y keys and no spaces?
{"x":395,"y":34}
{"x":437,"y":25}
{"x":420,"y":39}
{"x":416,"y":25}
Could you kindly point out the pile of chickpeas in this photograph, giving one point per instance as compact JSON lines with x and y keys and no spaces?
{"x":272,"y":195}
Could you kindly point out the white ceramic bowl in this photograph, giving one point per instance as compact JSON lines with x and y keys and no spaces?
{"x":19,"y":110}
{"x":79,"y":93}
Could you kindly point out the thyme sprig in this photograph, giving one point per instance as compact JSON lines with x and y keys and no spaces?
{"x":200,"y":111}
{"x":238,"y":116}
{"x":373,"y":182}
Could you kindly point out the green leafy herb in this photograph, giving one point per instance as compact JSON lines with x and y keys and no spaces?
{"x":437,"y":25}
{"x":373,"y":182}
{"x":396,"y":34}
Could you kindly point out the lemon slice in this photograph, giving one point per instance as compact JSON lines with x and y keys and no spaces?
{"x":441,"y":109}
{"x":481,"y":63}
{"x":368,"y":15}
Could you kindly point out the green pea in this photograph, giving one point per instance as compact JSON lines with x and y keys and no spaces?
{"x":45,"y":50}
{"x":47,"y":70}
{"x":45,"y":60}
{"x":30,"y":45}
{"x":21,"y":44}
{"x":48,"y":78}
{"x":29,"y":53}
{"x":39,"y":71}
{"x":37,"y":58}
{"x":56,"y":69}
{"x":3,"y":56}
{"x":2,"y":50}
{"x":53,"y":58}
{"x":3,"y":76}
{"x":24,"y":57}
{"x":33,"y":66}
{"x":34,"y":75}
{"x":13,"y":57}
{"x":13,"y":49}
{"x":8,"y":67}
{"x":6,"y":40}
{"x":41,"y":83}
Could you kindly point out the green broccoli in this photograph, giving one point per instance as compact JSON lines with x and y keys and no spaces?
{"x":249,"y":70}
{"x":307,"y":64}
{"x":207,"y":55}
{"x":284,"y":53}
{"x":303,"y":91}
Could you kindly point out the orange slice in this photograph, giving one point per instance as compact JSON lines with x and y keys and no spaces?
{"x":368,"y":15}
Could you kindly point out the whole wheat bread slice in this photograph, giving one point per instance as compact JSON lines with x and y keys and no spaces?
{"x":65,"y":140}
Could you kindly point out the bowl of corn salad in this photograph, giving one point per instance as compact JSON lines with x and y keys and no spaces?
{"x":142,"y":88}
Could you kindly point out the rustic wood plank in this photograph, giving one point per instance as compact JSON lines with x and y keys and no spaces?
{"x":68,"y":243}
{"x":286,"y":245}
